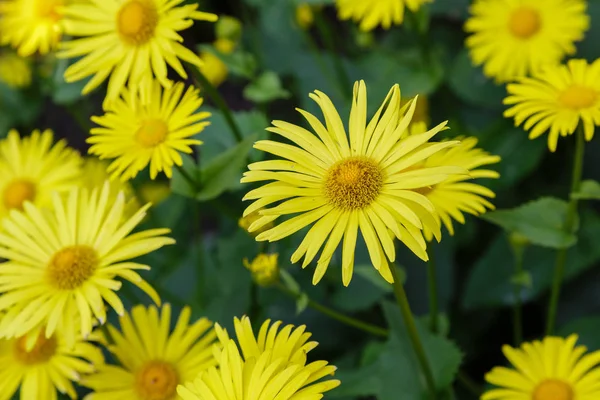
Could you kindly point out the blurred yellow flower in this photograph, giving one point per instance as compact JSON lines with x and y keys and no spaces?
{"x":33,"y":167}
{"x":264,"y":269}
{"x":67,"y":262}
{"x":551,"y":369}
{"x":31,"y":26}
{"x":45,"y":366}
{"x":557,"y":100}
{"x":154,"y":192}
{"x":305,"y":16}
{"x":224,"y":46}
{"x":130,"y":40}
{"x":366,"y":181}
{"x":374,"y":13}
{"x":152,"y":369}
{"x":15,"y":71}
{"x":270,"y":366}
{"x":136,"y":134}
{"x":213,"y":69}
{"x":519,"y":37}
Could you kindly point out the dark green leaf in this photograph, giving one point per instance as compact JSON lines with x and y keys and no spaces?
{"x":589,"y":190}
{"x":587,"y":329}
{"x":179,"y":183}
{"x":266,"y":88}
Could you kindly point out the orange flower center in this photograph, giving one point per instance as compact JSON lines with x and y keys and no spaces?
{"x":578,"y":97}
{"x":47,"y":9}
{"x":17,"y":192}
{"x":72,"y":266}
{"x":553,"y":389}
{"x":157,"y":380}
{"x":151,"y":133}
{"x":524,"y":22}
{"x":353,"y":183}
{"x":43,"y":349}
{"x":137,"y":21}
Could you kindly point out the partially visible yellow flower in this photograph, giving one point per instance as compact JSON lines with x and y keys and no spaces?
{"x":557,"y":100}
{"x":15,"y":71}
{"x":270,"y":366}
{"x":33,"y":167}
{"x":45,"y":366}
{"x":31,"y":26}
{"x":264,"y":269}
{"x":135,"y":134}
{"x":153,"y":358}
{"x":69,"y":261}
{"x":130,"y":40}
{"x":519,"y":37}
{"x":247,"y":220}
{"x":374,"y":13}
{"x":213,"y":69}
{"x":551,"y":369}
{"x":224,"y":46}
{"x":305,"y":16}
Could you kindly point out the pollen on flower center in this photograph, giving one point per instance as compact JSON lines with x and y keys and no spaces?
{"x":137,"y":21}
{"x":71,"y":266}
{"x":553,"y":389}
{"x":353,"y":183}
{"x":524,"y":22}
{"x":43,"y":349}
{"x":578,"y":97}
{"x":151,"y":133}
{"x":156,"y":380}
{"x":17,"y":192}
{"x":48,"y":9}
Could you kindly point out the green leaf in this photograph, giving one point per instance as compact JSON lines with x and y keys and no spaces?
{"x":179,"y":183}
{"x":586,"y":328}
{"x":541,"y":221}
{"x":224,"y":171}
{"x":589,"y":190}
{"x":266,"y":88}
{"x":289,"y":281}
{"x":301,"y":303}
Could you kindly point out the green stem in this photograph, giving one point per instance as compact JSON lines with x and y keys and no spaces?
{"x":216,"y":97}
{"x":187,"y":177}
{"x":517,"y":311}
{"x":433,"y":293}
{"x":343,"y":78}
{"x":561,"y":256}
{"x":413,"y":334}
{"x":375,"y":330}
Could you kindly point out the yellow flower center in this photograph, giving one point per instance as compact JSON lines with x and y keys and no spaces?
{"x":525,"y":22}
{"x":71,"y":266}
{"x":157,"y":380}
{"x":353,"y":183}
{"x":578,"y":97}
{"x":137,"y":21}
{"x":43,"y":349}
{"x":17,"y":192}
{"x":553,"y":389}
{"x":151,"y":133}
{"x":48,"y":9}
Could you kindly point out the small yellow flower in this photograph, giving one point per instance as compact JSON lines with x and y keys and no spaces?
{"x":551,"y":369}
{"x":305,"y":16}
{"x":213,"y":69}
{"x":223,"y":46}
{"x":228,"y":27}
{"x":270,"y":366}
{"x":373,"y":13}
{"x":246,"y":222}
{"x":15,"y":71}
{"x":264,"y":269}
{"x":557,"y":100}
{"x":520,"y":37}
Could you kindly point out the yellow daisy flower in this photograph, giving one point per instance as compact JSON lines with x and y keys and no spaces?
{"x":514,"y":38}
{"x":551,"y":369}
{"x":33,"y":167}
{"x":45,"y":366}
{"x":557,"y":100}
{"x":136,"y":134}
{"x":154,"y":359}
{"x":366,"y":182}
{"x":374,"y":13}
{"x":264,"y":269}
{"x":66,"y":262}
{"x":272,"y":366}
{"x":130,"y":40}
{"x":31,"y":26}
{"x":15,"y":71}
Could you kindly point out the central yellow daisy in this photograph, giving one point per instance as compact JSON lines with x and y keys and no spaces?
{"x":368,"y":181}
{"x":373,"y":13}
{"x":131,"y":40}
{"x":513,"y":38}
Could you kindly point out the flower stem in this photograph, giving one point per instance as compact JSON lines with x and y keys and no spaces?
{"x":561,"y":256}
{"x":216,"y":97}
{"x":517,"y":308}
{"x":375,"y":330}
{"x":413,"y":334}
{"x":433,"y":293}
